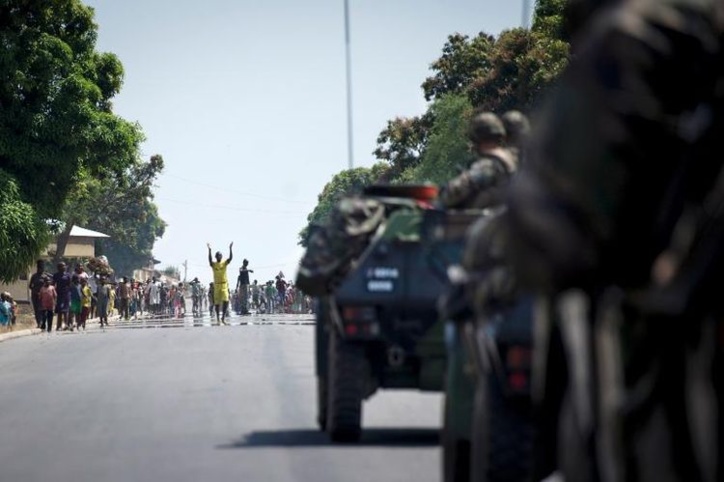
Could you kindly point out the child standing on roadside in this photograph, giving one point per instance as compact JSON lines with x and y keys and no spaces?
{"x":75,"y":303}
{"x":103,"y":296}
{"x":48,"y":300}
{"x":111,"y":298}
{"x":4,"y":312}
{"x":13,"y":309}
{"x":86,"y":299}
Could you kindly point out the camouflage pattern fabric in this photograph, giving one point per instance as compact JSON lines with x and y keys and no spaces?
{"x":333,"y":247}
{"x":482,"y":184}
{"x":491,"y":281}
{"x":603,"y":141}
{"x":630,"y":140}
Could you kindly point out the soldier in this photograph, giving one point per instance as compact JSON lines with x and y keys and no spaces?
{"x":480,"y":186}
{"x":638,"y":111}
{"x":517,"y":130}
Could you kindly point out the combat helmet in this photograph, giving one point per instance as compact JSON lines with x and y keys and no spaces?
{"x":486,"y":126}
{"x":517,"y":127}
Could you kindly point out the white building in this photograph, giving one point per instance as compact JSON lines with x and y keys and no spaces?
{"x":81,"y":244}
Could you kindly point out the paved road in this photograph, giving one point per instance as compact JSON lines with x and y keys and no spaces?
{"x":194,"y":403}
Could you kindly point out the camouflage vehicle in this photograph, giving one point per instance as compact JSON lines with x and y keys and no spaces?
{"x":378,"y":328}
{"x":487,"y":422}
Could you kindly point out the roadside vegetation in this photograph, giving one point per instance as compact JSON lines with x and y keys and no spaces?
{"x":66,"y":157}
{"x":498,"y":74}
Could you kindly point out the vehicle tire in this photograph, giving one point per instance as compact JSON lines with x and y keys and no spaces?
{"x":455,"y":451}
{"x":502,"y":437}
{"x":322,"y":396}
{"x":348,"y":372}
{"x":321,"y":341}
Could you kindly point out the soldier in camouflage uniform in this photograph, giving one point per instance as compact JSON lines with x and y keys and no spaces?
{"x":481,"y":185}
{"x":605,"y":219}
{"x":517,"y":130}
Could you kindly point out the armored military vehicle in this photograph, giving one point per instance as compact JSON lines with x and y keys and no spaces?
{"x":488,"y":426}
{"x":379,"y":327}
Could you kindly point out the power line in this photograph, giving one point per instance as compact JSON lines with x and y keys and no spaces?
{"x":233,"y":191}
{"x":233,"y":208}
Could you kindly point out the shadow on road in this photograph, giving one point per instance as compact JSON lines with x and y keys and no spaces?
{"x":374,"y":437}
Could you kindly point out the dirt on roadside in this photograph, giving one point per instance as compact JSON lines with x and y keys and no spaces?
{"x":25,"y":318}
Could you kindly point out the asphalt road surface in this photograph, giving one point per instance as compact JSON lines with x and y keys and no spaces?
{"x":181,"y":400}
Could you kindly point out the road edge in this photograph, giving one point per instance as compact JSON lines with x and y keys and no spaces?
{"x":17,"y":334}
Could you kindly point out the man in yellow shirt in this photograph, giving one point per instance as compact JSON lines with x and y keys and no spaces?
{"x":221,"y":283}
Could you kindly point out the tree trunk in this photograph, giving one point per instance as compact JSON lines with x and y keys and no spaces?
{"x":62,"y":242}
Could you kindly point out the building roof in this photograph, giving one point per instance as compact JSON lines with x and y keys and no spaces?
{"x":86,"y":233}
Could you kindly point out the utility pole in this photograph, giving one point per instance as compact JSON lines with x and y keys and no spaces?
{"x":526,"y":14}
{"x":350,"y":141}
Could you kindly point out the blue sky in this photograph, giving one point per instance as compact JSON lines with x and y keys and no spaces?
{"x":246,"y":102}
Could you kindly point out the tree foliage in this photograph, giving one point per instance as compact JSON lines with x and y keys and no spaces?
{"x":172,"y":272}
{"x":22,"y":234}
{"x":462,"y":61}
{"x":447,"y":147}
{"x":58,"y":134}
{"x":119,"y":205}
{"x":498,"y":74}
{"x":401,"y":143}
{"x":523,"y":65}
{"x":345,"y":183}
{"x":133,"y":248}
{"x":549,"y":19}
{"x":486,"y":72}
{"x":56,"y":101}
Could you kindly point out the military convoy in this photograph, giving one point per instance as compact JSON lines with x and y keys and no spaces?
{"x":379,"y":326}
{"x":379,"y":329}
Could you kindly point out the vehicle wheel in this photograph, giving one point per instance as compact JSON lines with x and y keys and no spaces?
{"x":502,"y":437}
{"x":322,"y":403}
{"x":348,"y":372}
{"x":321,"y":342}
{"x":457,"y":411}
{"x":455,"y":451}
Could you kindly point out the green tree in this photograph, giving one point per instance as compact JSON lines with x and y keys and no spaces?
{"x":447,"y":148}
{"x":462,"y":61}
{"x":548,"y":19}
{"x":345,"y":183}
{"x":402,"y":142}
{"x":523,"y":65}
{"x":56,"y":122}
{"x":171,"y":272}
{"x":120,"y":205}
{"x":496,"y":74}
{"x":510,"y":71}
{"x":56,"y":98}
{"x":22,"y":234}
{"x":134,"y":247}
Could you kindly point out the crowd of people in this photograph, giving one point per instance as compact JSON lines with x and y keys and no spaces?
{"x":275,"y":296}
{"x":67,"y":300}
{"x":74,"y":298}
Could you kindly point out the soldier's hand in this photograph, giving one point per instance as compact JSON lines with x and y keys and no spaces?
{"x":230,"y":245}
{"x":208,"y":245}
